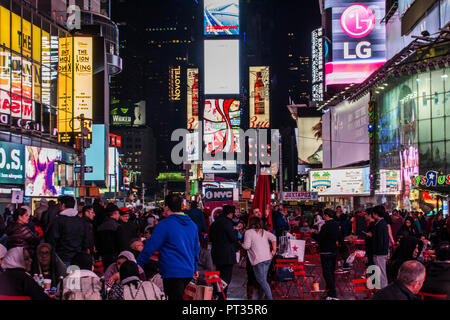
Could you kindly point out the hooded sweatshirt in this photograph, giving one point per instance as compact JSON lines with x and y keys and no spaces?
{"x":15,"y":281}
{"x":176,"y":240}
{"x":67,"y":234}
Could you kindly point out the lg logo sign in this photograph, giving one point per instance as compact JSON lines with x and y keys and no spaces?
{"x":358,"y":21}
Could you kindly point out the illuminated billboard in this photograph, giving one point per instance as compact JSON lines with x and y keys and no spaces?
{"x":358,"y":41}
{"x":74,"y":86}
{"x":41,"y":172}
{"x":95,"y":154}
{"x":192,"y":98}
{"x":192,"y":146}
{"x":113,"y":168}
{"x":259,"y":97}
{"x":221,"y":17}
{"x":221,"y":67}
{"x":222,"y":119}
{"x":390,"y":182}
{"x":175,"y":83}
{"x":309,"y":140}
{"x":348,"y":181}
{"x":12,"y":163}
{"x":317,"y":64}
{"x":129,"y":116}
{"x":221,"y":166}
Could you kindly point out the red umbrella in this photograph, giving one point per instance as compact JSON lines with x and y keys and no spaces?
{"x":261,"y":198}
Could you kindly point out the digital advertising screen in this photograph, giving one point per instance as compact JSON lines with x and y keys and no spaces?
{"x":193,"y":146}
{"x":221,"y":67}
{"x":259,"y":98}
{"x":220,"y":166}
{"x":113,"y":168}
{"x":309,"y":140}
{"x":221,"y":17}
{"x":192,"y":98}
{"x":358,"y":41}
{"x":390,"y":182}
{"x":95,"y":154}
{"x":331,"y":182}
{"x":41,"y":176}
{"x":222,"y":119}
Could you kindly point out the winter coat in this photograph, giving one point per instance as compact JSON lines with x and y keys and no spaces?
{"x":125,"y":233}
{"x":380,"y":239}
{"x":359,"y":225}
{"x":437,"y":278}
{"x":280,"y":223}
{"x":20,"y":235}
{"x":176,"y":240}
{"x":328,"y":236}
{"x":39,"y":211}
{"x":223,"y":237}
{"x":90,"y":236}
{"x":67,"y":235}
{"x":404,"y":252}
{"x":395,"y":291}
{"x":15,"y":281}
{"x":2,"y":226}
{"x":48,"y":217}
{"x":318,"y":222}
{"x":132,"y":288}
{"x":107,"y":240}
{"x":113,"y":269}
{"x":198,"y":218}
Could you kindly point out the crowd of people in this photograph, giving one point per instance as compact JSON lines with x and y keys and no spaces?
{"x":72,"y":251}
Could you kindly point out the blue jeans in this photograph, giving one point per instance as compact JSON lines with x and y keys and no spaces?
{"x":261,"y":269}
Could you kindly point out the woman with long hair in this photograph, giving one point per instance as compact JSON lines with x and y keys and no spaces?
{"x":260,"y":253}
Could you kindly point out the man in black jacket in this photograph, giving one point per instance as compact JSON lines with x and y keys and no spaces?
{"x":127,"y":231}
{"x":88,"y":218}
{"x":107,"y":240}
{"x":380,"y":242}
{"x":438,"y":272}
{"x":198,"y":218}
{"x":223,"y":237}
{"x":67,"y":233}
{"x":328,"y":239}
{"x":408,"y":284}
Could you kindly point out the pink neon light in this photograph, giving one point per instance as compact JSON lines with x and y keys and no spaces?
{"x":351,"y":72}
{"x":357,"y":21}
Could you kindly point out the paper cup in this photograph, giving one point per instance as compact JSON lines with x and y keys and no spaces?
{"x":47,"y":284}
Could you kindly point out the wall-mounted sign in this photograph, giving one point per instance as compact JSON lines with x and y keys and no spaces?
{"x":115,"y":140}
{"x":221,"y":17}
{"x":219,"y":194}
{"x":259,"y":99}
{"x":12,"y":163}
{"x":430,"y":179}
{"x":175,"y":83}
{"x":317,"y":64}
{"x":300,"y":196}
{"x":390,"y":182}
{"x":192,"y":99}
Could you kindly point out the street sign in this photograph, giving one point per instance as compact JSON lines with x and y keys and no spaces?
{"x":86,"y":169}
{"x":300,"y":196}
{"x":17,"y":196}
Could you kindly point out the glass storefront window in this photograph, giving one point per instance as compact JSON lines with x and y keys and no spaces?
{"x":424,"y":107}
{"x":437,"y":81}
{"x":438,"y":129}
{"x":438,"y":104}
{"x":425,"y":130}
{"x":423,"y":84}
{"x":424,"y":155}
{"x":438,"y":154}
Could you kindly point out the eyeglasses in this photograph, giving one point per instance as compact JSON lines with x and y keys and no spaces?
{"x":45,"y":253}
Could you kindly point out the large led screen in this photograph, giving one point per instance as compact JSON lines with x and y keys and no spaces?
{"x":40,"y":172}
{"x":331,"y":182}
{"x":222,"y":118}
{"x":220,"y":166}
{"x":309,"y":140}
{"x":221,"y":17}
{"x":358,"y":41}
{"x":222,"y":67}
{"x":192,"y":98}
{"x":259,"y":98}
{"x":95,"y":154}
{"x":113,"y":168}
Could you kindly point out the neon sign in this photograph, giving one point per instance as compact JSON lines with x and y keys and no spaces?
{"x":431,"y":178}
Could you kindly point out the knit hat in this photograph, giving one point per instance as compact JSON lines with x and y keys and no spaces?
{"x":128,"y":255}
{"x":124,"y":210}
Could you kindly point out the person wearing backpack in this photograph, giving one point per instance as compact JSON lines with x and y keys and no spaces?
{"x":133,"y":288}
{"x":82,"y":283}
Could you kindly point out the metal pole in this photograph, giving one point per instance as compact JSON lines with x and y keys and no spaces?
{"x":83,"y":160}
{"x":115,"y":174}
{"x":258,"y":166}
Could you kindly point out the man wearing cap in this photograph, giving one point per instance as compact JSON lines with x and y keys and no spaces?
{"x":127,"y":229}
{"x":107,"y":240}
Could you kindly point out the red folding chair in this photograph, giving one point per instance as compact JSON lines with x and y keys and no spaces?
{"x":312,"y":267}
{"x":214,"y":277}
{"x":360,"y":286}
{"x":290,"y":289}
{"x":343,"y":281}
{"x":433,"y":296}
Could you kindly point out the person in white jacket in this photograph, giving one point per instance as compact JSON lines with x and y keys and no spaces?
{"x":318,"y":221}
{"x":260,"y":253}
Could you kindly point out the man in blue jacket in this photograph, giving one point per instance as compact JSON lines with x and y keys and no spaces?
{"x":176,"y":240}
{"x":197,"y":217}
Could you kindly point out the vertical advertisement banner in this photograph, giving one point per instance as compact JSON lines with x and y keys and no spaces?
{"x":65,"y":94}
{"x":192,"y":98}
{"x":82,"y":81}
{"x":259,"y":97}
{"x":46,"y":75}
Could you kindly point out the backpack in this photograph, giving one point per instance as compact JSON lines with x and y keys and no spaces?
{"x":86,"y":288}
{"x":145,"y":290}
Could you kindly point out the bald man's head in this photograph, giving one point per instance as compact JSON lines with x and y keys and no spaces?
{"x":412,"y":275}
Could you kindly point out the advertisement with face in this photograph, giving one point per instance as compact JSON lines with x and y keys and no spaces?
{"x":259,"y":98}
{"x":358,"y":40}
{"x":309,"y":141}
{"x":222,"y":119}
{"x":12,"y":163}
{"x":221,"y":17}
{"x":192,"y":98}
{"x":40,"y":172}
